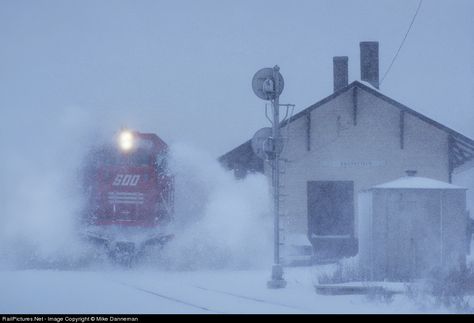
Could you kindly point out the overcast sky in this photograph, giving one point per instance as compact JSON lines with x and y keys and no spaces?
{"x":183,"y":69}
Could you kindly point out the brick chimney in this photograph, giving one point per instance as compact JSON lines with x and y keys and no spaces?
{"x":340,"y":71}
{"x":369,"y":62}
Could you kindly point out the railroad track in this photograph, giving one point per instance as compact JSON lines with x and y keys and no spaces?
{"x":258,"y":300}
{"x":169,"y":298}
{"x":211,"y":309}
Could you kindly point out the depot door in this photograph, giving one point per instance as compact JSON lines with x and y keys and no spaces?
{"x":331,"y":218}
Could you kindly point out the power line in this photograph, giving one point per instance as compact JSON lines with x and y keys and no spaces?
{"x":403,"y":41}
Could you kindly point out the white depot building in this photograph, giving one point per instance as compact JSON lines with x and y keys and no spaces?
{"x":348,"y":142}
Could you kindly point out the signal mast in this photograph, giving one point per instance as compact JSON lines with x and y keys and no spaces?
{"x":267,"y":144}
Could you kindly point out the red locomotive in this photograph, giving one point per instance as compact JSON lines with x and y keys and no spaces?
{"x":130,"y":195}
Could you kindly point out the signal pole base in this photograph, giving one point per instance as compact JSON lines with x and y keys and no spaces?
{"x":277,"y":280}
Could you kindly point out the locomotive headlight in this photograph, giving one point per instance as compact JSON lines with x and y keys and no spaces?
{"x":126,"y":140}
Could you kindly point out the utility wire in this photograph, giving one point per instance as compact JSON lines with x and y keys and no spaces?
{"x":403,"y":42}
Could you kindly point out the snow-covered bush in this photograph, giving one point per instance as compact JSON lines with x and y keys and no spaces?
{"x":451,"y":290}
{"x":345,"y":270}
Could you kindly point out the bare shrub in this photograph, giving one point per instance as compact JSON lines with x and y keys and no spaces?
{"x":347,"y":270}
{"x":450,"y":290}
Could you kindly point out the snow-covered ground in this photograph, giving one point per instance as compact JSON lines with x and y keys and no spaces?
{"x":151,"y":291}
{"x":220,"y":223}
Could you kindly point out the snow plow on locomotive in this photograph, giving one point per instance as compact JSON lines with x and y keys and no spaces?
{"x":129,"y":193}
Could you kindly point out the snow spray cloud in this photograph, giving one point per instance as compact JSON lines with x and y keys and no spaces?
{"x":220,"y":222}
{"x":39,"y":184}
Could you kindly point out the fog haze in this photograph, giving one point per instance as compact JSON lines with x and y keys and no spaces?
{"x":72,"y":73}
{"x":183,"y":69}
